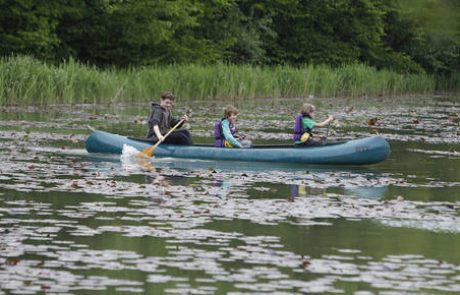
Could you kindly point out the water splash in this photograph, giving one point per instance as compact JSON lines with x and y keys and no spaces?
{"x":131,"y":159}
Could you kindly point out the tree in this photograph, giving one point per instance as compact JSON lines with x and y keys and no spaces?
{"x":27,"y":27}
{"x":418,"y":30}
{"x":122,"y":33}
{"x":403,"y":35}
{"x":326,"y":31}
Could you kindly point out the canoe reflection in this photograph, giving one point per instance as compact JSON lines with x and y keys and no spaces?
{"x":374,"y":192}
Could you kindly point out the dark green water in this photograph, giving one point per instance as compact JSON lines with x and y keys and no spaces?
{"x":71,"y":222}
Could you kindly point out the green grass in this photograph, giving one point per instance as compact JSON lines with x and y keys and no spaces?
{"x":26,"y":81}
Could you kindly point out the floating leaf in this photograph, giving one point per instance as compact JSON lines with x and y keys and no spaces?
{"x":348,"y":109}
{"x":372,"y":121}
{"x":13,"y":261}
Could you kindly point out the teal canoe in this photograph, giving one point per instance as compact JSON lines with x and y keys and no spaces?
{"x":364,"y":151}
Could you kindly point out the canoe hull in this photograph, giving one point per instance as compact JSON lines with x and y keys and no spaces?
{"x":369,"y":150}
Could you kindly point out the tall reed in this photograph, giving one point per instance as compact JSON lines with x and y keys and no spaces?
{"x":24,"y":81}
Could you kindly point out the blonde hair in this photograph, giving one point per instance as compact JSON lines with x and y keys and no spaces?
{"x":229,"y":110}
{"x":307,"y":108}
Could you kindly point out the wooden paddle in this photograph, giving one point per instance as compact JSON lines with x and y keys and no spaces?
{"x":334,"y":123}
{"x":148,"y":152}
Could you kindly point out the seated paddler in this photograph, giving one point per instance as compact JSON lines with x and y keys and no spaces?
{"x":304,"y":125}
{"x":161,"y":121}
{"x":225,"y":129}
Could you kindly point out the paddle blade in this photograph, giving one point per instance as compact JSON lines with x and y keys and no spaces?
{"x":149,"y":151}
{"x":145,"y":163}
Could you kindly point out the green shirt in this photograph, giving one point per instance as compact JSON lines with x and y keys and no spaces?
{"x":308,"y":123}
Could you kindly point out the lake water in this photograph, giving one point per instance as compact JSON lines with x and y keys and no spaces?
{"x":76,"y":223}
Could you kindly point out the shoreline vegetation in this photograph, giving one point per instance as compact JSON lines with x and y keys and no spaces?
{"x":27,"y":81}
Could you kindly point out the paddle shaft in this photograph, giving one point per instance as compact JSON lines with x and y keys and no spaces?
{"x":149,"y":151}
{"x":169,"y":132}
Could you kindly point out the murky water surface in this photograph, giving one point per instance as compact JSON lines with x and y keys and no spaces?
{"x":74,"y":223}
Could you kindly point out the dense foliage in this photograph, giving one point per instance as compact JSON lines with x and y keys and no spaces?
{"x":413,"y":36}
{"x":25,"y":81}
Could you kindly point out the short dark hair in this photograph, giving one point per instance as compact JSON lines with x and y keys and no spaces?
{"x":167,"y":95}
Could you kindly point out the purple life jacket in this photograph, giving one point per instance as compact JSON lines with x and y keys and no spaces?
{"x":298,"y":127}
{"x":219,"y":133}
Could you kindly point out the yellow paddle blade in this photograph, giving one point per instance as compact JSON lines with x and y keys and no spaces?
{"x":149,"y":151}
{"x":145,"y":163}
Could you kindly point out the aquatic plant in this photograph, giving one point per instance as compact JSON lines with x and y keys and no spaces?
{"x":25,"y":81}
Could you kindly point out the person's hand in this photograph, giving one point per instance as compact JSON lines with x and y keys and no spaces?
{"x":184,"y":118}
{"x":161,"y":137}
{"x":246,"y":143}
{"x":330,"y":118}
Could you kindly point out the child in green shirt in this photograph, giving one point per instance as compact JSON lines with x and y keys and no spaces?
{"x":304,"y":124}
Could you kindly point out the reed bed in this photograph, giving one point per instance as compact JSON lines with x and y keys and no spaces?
{"x":25,"y":81}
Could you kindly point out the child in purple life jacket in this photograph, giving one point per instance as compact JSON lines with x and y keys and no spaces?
{"x":304,"y":124}
{"x":225,"y":129}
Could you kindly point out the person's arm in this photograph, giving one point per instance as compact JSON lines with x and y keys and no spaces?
{"x":156,"y":129}
{"x":228,"y":134}
{"x":325,"y":122}
{"x":155,"y":117}
{"x":174,"y":121}
{"x":154,"y":120}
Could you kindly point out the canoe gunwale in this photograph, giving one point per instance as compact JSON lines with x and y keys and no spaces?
{"x":254,"y":146}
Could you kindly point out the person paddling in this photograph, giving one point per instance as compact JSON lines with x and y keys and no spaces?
{"x":225,"y":129}
{"x":304,"y":124}
{"x":161,"y":120}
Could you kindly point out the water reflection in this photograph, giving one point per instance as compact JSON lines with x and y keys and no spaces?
{"x":223,"y":188}
{"x":157,"y":179}
{"x":304,"y":191}
{"x":373,"y":192}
